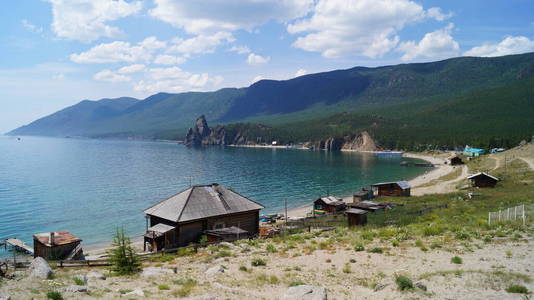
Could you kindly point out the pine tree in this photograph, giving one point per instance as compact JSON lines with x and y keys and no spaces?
{"x":122,"y":255}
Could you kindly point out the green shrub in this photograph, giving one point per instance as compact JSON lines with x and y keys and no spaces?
{"x":368,"y":235}
{"x":296,"y":283}
{"x":395,"y":243}
{"x":223,"y":253}
{"x":376,"y":250}
{"x":487,"y":239}
{"x":163,"y":287}
{"x":435,"y":245}
{"x":462,"y":236}
{"x":359,"y":247}
{"x":456,"y":260}
{"x":78,"y":281}
{"x":54,"y":295}
{"x":270,"y":248}
{"x":404,"y":283}
{"x":517,"y":289}
{"x":346,"y":269}
{"x":243,"y":268}
{"x":352,"y":260}
{"x":185,"y":251}
{"x":122,"y":256}
{"x":203,"y":240}
{"x":256,"y":262}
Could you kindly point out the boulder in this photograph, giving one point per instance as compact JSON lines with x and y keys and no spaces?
{"x":5,"y":296}
{"x":39,"y":268}
{"x":153,"y":271}
{"x":420,"y":285}
{"x":214,"y":270}
{"x":96,"y":275}
{"x":75,"y":289}
{"x":136,"y":292}
{"x":305,"y":292}
{"x":229,"y":245}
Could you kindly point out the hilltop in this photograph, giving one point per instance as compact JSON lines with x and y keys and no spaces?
{"x":445,"y":102}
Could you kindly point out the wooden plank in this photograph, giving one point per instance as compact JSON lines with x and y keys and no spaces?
{"x":19,"y":244}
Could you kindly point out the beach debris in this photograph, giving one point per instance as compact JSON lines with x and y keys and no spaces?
{"x":5,"y":296}
{"x":96,"y":275}
{"x":75,"y":289}
{"x":305,"y":292}
{"x":214,"y":270}
{"x":153,"y":271}
{"x":136,"y":292}
{"x":40,"y":268}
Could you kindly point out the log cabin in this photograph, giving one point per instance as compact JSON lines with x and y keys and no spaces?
{"x":397,"y":188}
{"x":483,"y":180}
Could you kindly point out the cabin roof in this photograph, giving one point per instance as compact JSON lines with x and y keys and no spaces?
{"x":331,"y":200}
{"x":202,"y":201}
{"x":161,"y":228}
{"x":60,"y":238}
{"x":402,"y":184}
{"x":356,"y":211}
{"x":482,"y":174}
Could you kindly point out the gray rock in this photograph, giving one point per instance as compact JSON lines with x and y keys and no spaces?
{"x":82,"y":277}
{"x":96,"y":275}
{"x":39,"y":268}
{"x":380,"y":286}
{"x":5,"y":296}
{"x":214,"y":270}
{"x":136,"y":292}
{"x":420,"y":285}
{"x":205,"y":297}
{"x":305,"y":292}
{"x":152,"y":271}
{"x":229,"y":245}
{"x":75,"y":289}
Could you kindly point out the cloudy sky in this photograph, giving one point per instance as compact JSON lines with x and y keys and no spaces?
{"x":55,"y":53}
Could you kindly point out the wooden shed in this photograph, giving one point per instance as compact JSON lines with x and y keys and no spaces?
{"x":328,"y":205}
{"x":483,"y":180}
{"x":356,"y":217}
{"x":362,"y":195}
{"x":397,"y":188}
{"x":186,"y":216}
{"x":57,"y":245}
{"x":455,"y":161}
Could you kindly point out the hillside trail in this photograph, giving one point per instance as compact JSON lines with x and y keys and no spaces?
{"x":529,"y":161}
{"x":442,"y":187}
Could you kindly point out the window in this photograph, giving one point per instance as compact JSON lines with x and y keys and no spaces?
{"x":218,"y":225}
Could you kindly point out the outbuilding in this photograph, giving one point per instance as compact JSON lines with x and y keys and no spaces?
{"x":396,"y":188}
{"x":362,"y":195}
{"x":356,"y":217}
{"x":483,"y":180}
{"x":328,"y":205}
{"x":57,"y":245}
{"x":183,"y":218}
{"x":455,"y":161}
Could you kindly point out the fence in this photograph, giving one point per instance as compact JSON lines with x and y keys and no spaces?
{"x":512,"y":214}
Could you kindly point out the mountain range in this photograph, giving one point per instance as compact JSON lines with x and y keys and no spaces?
{"x":444,"y":102}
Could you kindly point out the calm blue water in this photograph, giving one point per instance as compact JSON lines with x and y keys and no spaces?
{"x":89,"y":187}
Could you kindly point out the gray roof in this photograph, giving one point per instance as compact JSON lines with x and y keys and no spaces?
{"x":202,"y":201}
{"x":161,"y":228}
{"x":482,"y":174}
{"x":356,"y":211}
{"x":331,"y":200}
{"x":402,"y":184}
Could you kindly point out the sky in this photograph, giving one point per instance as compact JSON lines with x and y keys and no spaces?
{"x":55,"y":53}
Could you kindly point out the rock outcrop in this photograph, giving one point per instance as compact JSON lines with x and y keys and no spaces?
{"x":203,"y":135}
{"x":196,"y":135}
{"x":39,"y":268}
{"x":360,"y":142}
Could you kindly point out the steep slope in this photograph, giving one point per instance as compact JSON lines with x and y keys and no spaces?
{"x":304,"y":98}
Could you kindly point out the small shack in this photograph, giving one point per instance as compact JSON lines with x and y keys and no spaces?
{"x":371,"y":206}
{"x":483,"y":180}
{"x":472,"y":152}
{"x":59,"y":245}
{"x":228,"y":234}
{"x":455,"y":161}
{"x":356,"y":217}
{"x":362,"y":195}
{"x":328,"y":205}
{"x":397,"y":188}
{"x":186,"y":216}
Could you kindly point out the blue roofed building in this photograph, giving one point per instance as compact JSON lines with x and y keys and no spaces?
{"x":468,"y":151}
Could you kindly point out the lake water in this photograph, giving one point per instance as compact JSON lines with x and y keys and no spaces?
{"x":89,"y":187}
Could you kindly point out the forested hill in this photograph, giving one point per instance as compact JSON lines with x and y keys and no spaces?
{"x":423,"y":102}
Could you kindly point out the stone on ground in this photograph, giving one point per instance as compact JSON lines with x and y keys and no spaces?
{"x":215,"y":270}
{"x":305,"y":292}
{"x":5,"y":296}
{"x":136,"y":292}
{"x":153,"y":271}
{"x":95,"y":275}
{"x":39,"y":268}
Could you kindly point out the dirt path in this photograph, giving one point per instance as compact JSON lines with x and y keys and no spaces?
{"x":441,"y":187}
{"x":529,"y":161}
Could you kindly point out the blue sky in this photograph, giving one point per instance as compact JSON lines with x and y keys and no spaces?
{"x":56,"y":53}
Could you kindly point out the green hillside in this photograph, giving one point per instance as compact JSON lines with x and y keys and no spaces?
{"x":446,"y":102}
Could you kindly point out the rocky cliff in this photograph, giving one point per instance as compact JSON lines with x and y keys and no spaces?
{"x":360,"y":142}
{"x":202,"y":135}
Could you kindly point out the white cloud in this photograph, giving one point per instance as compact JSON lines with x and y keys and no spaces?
{"x":240,"y":49}
{"x":300,"y":72}
{"x":436,"y":44}
{"x":200,"y":44}
{"x":31,"y":27}
{"x":509,"y":45}
{"x":339,"y":28}
{"x":256,"y":60}
{"x":210,"y":16}
{"x":435,"y":13}
{"x":107,"y":75}
{"x":169,"y":60}
{"x":119,"y":52}
{"x":132,"y":69}
{"x":174,"y":79}
{"x":85,"y":20}
{"x":59,"y":76}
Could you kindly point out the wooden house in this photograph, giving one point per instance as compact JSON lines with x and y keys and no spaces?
{"x":328,"y":205}
{"x":483,"y":180}
{"x":183,"y":218}
{"x":397,"y":188}
{"x":356,"y":217}
{"x":371,"y":206}
{"x":60,"y":245}
{"x":362,"y":195}
{"x":455,"y":161}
